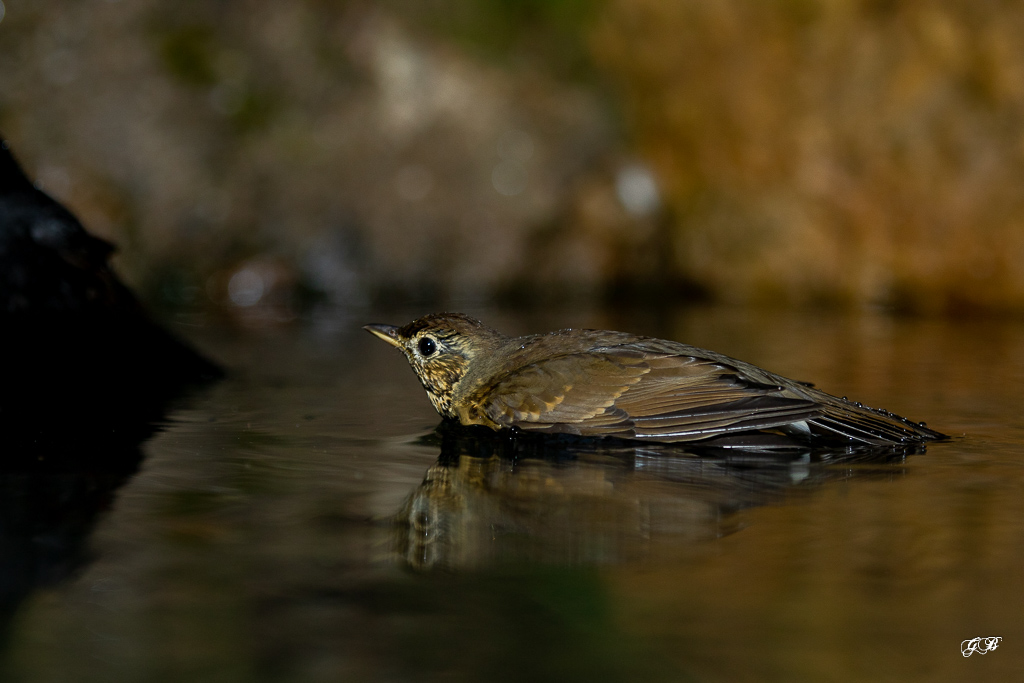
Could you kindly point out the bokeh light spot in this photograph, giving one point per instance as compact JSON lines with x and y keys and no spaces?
{"x":637,"y":190}
{"x":246,"y":287}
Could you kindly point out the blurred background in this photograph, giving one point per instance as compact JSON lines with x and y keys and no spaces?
{"x":811,"y":165}
{"x":255,"y":158}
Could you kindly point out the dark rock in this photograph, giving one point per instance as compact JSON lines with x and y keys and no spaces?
{"x":79,"y":354}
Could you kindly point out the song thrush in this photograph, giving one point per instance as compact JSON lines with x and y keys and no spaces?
{"x":613,"y":384}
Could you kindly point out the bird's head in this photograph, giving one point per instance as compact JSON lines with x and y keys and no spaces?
{"x":441,"y":348}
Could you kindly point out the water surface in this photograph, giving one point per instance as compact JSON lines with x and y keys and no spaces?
{"x":302,"y":521}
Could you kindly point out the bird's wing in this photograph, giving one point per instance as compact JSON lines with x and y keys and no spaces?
{"x":630,"y":393}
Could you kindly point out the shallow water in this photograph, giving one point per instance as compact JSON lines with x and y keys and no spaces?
{"x":300,"y":521}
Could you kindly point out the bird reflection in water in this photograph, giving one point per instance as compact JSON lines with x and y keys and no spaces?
{"x":499,"y":499}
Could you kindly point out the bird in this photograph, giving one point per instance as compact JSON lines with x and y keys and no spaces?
{"x":600,"y":383}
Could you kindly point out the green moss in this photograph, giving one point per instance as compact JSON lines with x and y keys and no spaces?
{"x":551,"y":34}
{"x":253,"y":110}
{"x":187,"y":54}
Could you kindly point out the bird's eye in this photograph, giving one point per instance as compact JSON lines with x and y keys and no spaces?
{"x":427,"y":347}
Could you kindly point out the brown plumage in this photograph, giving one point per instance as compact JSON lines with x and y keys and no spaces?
{"x":602,"y":383}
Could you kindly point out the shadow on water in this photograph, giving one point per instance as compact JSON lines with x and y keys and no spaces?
{"x":66,"y":452}
{"x":45,"y":519}
{"x":493,"y":499}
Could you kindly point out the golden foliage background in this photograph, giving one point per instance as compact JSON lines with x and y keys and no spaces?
{"x":846,"y":151}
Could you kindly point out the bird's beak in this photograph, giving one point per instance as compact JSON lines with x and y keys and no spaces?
{"x":388,"y":333}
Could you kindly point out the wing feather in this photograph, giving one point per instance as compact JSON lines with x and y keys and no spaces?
{"x":636,"y":395}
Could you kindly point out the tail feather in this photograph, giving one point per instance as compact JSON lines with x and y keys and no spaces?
{"x":871,"y":427}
